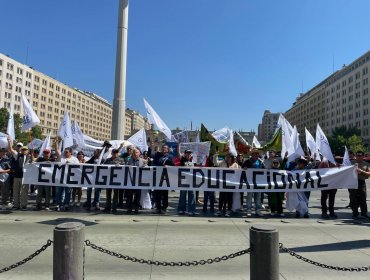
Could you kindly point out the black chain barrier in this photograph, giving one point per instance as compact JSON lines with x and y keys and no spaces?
{"x":162,"y":263}
{"x":338,"y":268}
{"x":30,"y":257}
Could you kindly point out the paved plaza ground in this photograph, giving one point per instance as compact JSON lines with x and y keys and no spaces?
{"x":340,"y":242}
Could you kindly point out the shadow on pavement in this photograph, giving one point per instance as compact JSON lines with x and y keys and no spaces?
{"x":337,"y":246}
{"x":58,"y":221}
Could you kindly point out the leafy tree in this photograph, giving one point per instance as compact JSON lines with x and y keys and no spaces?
{"x":343,"y":136}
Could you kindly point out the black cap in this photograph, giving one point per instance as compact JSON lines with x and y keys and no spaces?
{"x":107,"y":144}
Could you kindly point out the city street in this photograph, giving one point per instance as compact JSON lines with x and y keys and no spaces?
{"x":342,"y":242}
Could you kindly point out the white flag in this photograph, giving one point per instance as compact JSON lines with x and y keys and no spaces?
{"x":77,"y":134}
{"x":255,"y":142}
{"x":102,"y":152}
{"x":287,"y":145}
{"x":197,"y":139}
{"x":29,"y":118}
{"x":346,"y":160}
{"x":45,"y":144}
{"x":10,"y":129}
{"x":65,"y":131}
{"x":311,"y":144}
{"x":139,"y":140}
{"x":226,"y":135}
{"x":323,"y":146}
{"x":153,"y":118}
{"x":296,"y":143}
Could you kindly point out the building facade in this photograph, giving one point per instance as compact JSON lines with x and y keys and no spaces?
{"x":266,"y":129}
{"x":342,"y":99}
{"x":50,"y":99}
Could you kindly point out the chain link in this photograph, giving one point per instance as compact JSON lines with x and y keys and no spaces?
{"x":338,"y":268}
{"x":30,"y":257}
{"x":162,"y":263}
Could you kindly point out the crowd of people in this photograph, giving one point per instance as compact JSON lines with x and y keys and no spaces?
{"x":15,"y":194}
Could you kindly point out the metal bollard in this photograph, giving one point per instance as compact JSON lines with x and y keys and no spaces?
{"x":68,"y":253}
{"x":264,"y":255}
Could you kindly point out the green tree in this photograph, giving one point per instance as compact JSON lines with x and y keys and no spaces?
{"x":20,"y":136}
{"x":343,"y":136}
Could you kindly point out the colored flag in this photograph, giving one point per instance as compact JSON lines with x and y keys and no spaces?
{"x":153,"y":118}
{"x":226,"y":135}
{"x":216,"y":147}
{"x":30,"y":118}
{"x":275,"y":143}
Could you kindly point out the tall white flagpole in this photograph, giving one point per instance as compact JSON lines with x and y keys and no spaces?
{"x":119,"y":101}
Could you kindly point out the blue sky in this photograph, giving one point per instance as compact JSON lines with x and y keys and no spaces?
{"x":212,"y":61}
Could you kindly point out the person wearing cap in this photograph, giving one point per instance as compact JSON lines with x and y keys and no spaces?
{"x":20,"y":190}
{"x":254,"y":162}
{"x":358,"y":196}
{"x":5,"y":169}
{"x":43,"y":190}
{"x":109,"y":206}
{"x":186,"y":160}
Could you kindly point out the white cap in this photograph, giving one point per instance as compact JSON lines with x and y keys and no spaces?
{"x":20,"y":144}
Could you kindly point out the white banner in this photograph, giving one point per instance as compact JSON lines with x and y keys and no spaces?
{"x":188,"y":178}
{"x":200,"y":151}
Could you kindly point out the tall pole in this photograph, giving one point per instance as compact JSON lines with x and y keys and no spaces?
{"x":119,"y":101}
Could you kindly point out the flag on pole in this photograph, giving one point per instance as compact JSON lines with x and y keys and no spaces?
{"x":226,"y":135}
{"x":77,"y":134}
{"x":287,"y":145}
{"x":10,"y":129}
{"x":275,"y":143}
{"x":139,"y":140}
{"x":216,"y":146}
{"x":30,"y":118}
{"x":296,"y":143}
{"x":255,"y":142}
{"x":102,"y":152}
{"x":346,"y":160}
{"x":311,"y":144}
{"x":65,"y":131}
{"x":153,"y":118}
{"x":323,"y":146}
{"x":45,"y":144}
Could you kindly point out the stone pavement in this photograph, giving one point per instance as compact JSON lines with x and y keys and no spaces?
{"x":340,"y":242}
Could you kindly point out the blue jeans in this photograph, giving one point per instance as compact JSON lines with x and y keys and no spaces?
{"x":96,"y":196}
{"x":59,"y":195}
{"x":257,"y":201}
{"x":182,"y":201}
{"x":211,"y":196}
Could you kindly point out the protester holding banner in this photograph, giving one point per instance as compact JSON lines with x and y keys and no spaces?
{"x":327,"y":194}
{"x":43,"y":190}
{"x":161,"y":196}
{"x":77,"y":191}
{"x":225,"y":199}
{"x":109,"y":206}
{"x":66,"y":158}
{"x":133,"y":195}
{"x":358,"y":196}
{"x":186,"y":160}
{"x":20,"y":190}
{"x":5,"y":169}
{"x":254,"y":162}
{"x":93,"y":160}
{"x":276,"y":198}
